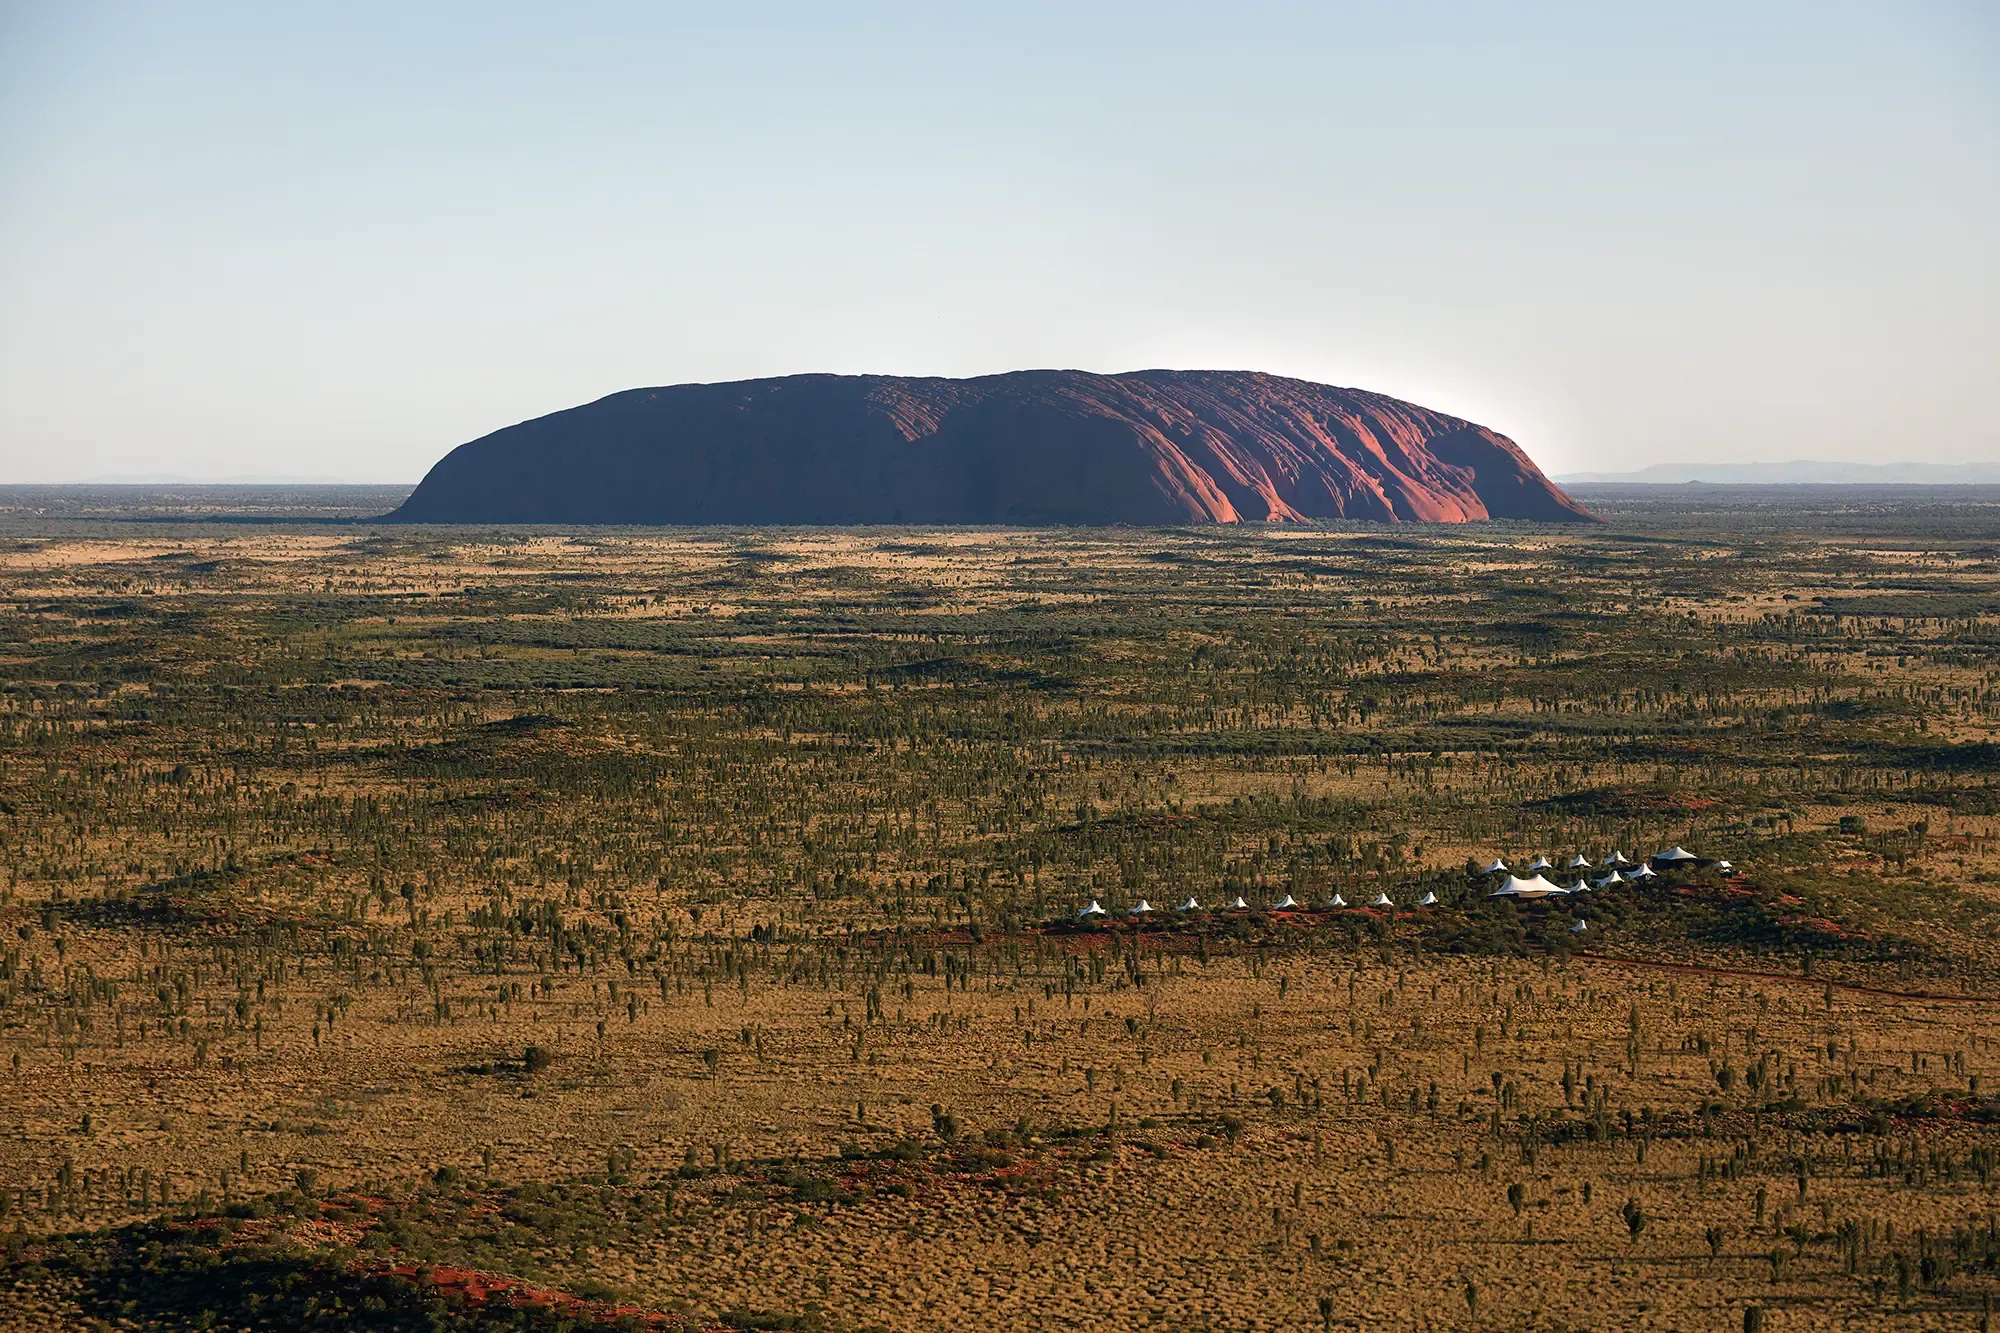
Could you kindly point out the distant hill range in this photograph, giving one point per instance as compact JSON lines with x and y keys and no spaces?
{"x":1801,"y":473}
{"x":1030,"y":447}
{"x":177,"y":479}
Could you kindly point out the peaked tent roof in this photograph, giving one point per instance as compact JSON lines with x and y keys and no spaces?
{"x":1516,"y":887}
{"x":1383,"y":900}
{"x":1579,"y":928}
{"x":1289,"y":902}
{"x":1677,"y":853}
{"x":1579,"y":862}
{"x":1336,"y":901}
{"x":1239,"y":902}
{"x":1498,"y":867}
{"x":1095,"y":909}
{"x":1142,"y":908}
{"x":1193,"y":904}
{"x":1428,"y":900}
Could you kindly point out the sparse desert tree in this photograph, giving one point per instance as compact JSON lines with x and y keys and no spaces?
{"x":1635,"y":1218}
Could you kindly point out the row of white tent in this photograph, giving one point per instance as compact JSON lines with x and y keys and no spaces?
{"x":1670,"y":859}
{"x":1542,"y":887}
{"x":1143,"y":908}
{"x":1286,"y":904}
{"x":1619,"y":870}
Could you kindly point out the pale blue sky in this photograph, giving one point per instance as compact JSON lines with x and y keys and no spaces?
{"x":341,"y":239}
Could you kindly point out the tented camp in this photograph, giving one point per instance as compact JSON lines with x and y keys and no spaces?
{"x":1579,"y":928}
{"x":1612,"y":870}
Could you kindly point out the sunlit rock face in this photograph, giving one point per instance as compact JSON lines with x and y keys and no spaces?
{"x":1030,"y":447}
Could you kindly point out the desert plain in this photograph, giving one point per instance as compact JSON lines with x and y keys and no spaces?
{"x":426,"y":927}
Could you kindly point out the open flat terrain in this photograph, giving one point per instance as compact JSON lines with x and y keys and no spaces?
{"x":503,"y":928}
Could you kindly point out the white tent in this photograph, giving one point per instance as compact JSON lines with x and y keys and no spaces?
{"x":1428,"y":900}
{"x":1239,"y":903}
{"x":1541,"y":863}
{"x":1191,"y":905}
{"x":1516,"y":887}
{"x":1336,"y":901}
{"x":1724,"y":868}
{"x":1613,"y":878}
{"x":1675,"y":856}
{"x":1143,"y":908}
{"x":1616,"y":859}
{"x":1579,"y":862}
{"x":1383,"y":900}
{"x":1095,"y":909}
{"x":1498,"y":867}
{"x":1643,"y":872}
{"x":1579,"y":928}
{"x":1288,"y":904}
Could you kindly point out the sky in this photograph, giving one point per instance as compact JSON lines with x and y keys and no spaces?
{"x":336,"y":240}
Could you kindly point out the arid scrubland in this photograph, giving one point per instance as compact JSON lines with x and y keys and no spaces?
{"x":426,"y":928}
